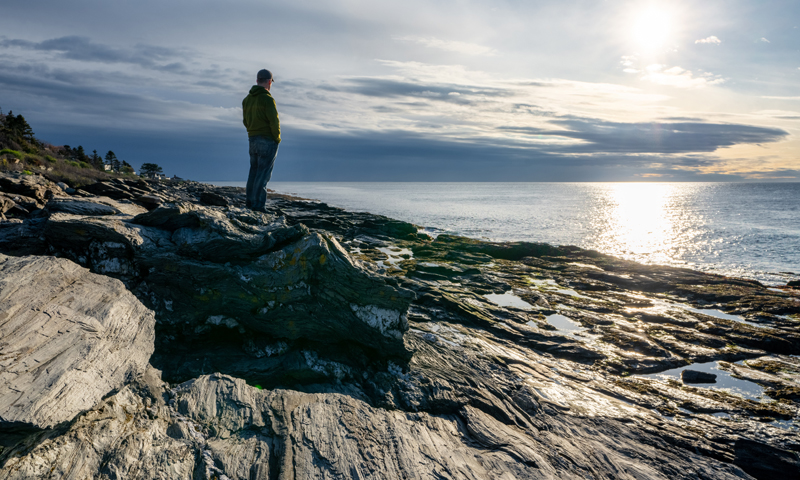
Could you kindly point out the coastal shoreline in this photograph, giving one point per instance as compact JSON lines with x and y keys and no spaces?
{"x":310,"y":333}
{"x":739,"y":230}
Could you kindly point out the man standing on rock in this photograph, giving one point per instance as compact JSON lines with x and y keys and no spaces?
{"x":264,"y":131}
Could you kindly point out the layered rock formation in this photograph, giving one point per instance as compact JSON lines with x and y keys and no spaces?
{"x":68,"y":337}
{"x":311,"y":342}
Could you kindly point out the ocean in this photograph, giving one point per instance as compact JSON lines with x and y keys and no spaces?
{"x":749,"y":230}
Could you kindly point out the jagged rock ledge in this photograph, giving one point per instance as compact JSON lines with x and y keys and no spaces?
{"x":311,"y":342}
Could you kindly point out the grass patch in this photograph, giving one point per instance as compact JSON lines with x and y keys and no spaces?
{"x":14,"y":153}
{"x":50,"y":158}
{"x":75,"y":176}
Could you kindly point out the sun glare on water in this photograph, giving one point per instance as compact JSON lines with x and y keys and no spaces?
{"x":638,"y":221}
{"x":652,"y":29}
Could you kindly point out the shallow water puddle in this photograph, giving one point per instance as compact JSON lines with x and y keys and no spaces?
{"x":725,"y":381}
{"x":550,"y":285}
{"x":792,"y":424}
{"x":662,"y":307}
{"x":564,"y":324}
{"x":586,"y":265}
{"x":396,"y":255}
{"x":508,"y":299}
{"x":723,"y":315}
{"x":714,"y":313}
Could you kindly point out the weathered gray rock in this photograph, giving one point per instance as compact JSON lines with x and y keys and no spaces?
{"x":67,"y":338}
{"x":34,"y":186}
{"x":124,"y":437}
{"x":80,"y":207}
{"x":6,"y":204}
{"x":209,"y":234}
{"x":219,"y":427}
{"x":110,"y":189}
{"x":93,"y":206}
{"x":19,"y":200}
{"x":119,"y":189}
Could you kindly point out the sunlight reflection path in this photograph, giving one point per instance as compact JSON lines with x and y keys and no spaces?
{"x":643,"y":221}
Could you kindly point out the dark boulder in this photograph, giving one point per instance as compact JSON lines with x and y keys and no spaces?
{"x":693,"y":376}
{"x":214,"y":199}
{"x":149,"y":202}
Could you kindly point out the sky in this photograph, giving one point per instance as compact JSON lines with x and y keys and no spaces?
{"x":437,"y":90}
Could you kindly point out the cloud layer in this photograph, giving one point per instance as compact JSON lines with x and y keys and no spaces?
{"x":386,"y":91}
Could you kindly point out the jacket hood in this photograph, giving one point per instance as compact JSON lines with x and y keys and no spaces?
{"x":258,"y":90}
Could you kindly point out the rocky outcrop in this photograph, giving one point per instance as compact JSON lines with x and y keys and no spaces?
{"x":30,"y":186}
{"x":203,"y":267}
{"x":351,"y":345}
{"x":219,"y":427}
{"x":119,"y":189}
{"x":67,"y":338}
{"x":125,"y":436}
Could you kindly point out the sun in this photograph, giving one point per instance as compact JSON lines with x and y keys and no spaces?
{"x":652,"y":29}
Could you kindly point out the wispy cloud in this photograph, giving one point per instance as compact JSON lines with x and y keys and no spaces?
{"x":679,"y":77}
{"x":629,"y":62}
{"x":764,"y":40}
{"x":600,"y":136}
{"x":780,"y":98}
{"x":83,"y":49}
{"x":449,"y":45}
{"x":782,"y":114}
{"x":712,"y":39}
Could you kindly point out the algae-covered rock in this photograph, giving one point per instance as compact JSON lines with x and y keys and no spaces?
{"x":194,"y":263}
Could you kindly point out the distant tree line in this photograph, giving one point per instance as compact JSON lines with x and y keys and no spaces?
{"x":17,"y":134}
{"x":78,"y":154}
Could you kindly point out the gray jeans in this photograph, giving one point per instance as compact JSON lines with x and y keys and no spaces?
{"x":263,"y":151}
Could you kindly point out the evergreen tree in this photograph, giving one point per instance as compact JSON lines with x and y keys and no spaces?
{"x":80,"y":154}
{"x":126,"y":167}
{"x":16,"y":127}
{"x":96,"y":160}
{"x":112,"y":161}
{"x":150,"y":170}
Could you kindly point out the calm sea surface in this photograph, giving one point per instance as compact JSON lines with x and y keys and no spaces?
{"x":750,"y":230}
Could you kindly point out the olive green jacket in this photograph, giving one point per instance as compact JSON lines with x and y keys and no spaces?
{"x":261,"y":114}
